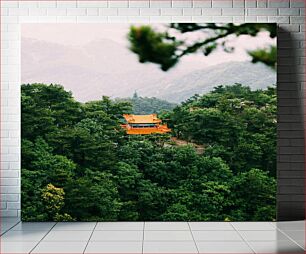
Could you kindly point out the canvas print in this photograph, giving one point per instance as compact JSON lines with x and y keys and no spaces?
{"x":148,"y":122}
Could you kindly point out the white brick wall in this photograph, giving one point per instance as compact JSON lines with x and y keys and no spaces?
{"x":289,"y":13}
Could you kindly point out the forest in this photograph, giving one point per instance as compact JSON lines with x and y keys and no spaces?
{"x":145,"y":105}
{"x":78,"y":164}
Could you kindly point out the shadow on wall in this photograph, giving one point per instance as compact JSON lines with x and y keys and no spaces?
{"x":290,"y":130}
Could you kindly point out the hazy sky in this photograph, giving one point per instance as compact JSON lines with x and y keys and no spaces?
{"x":79,"y":34}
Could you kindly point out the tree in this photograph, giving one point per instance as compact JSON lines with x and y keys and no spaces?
{"x":152,"y":201}
{"x":32,"y":207}
{"x":267,"y":56}
{"x":55,"y":168}
{"x":45,"y":108}
{"x":113,"y":109}
{"x":233,"y":123}
{"x":145,"y":105}
{"x":254,"y":194}
{"x":167,"y":48}
{"x":93,"y":197}
{"x":176,"y":212}
{"x":127,"y":178}
{"x":93,"y":141}
{"x":39,"y":168}
{"x":54,"y":200}
{"x":213,"y":201}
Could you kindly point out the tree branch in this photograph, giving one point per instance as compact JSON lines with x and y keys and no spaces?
{"x":198,"y":45}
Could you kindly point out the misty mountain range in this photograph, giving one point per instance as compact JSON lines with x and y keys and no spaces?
{"x":104,"y":67}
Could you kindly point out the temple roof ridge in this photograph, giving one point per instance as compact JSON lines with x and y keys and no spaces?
{"x":151,"y":118}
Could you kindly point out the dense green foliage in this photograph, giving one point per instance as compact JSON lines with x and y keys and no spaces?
{"x":234,"y":123}
{"x":79,"y":164}
{"x":168,"y":47}
{"x":267,"y":56}
{"x":145,"y":105}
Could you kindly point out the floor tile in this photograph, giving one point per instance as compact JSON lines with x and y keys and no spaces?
{"x":253,"y":226}
{"x":114,"y":247}
{"x":69,"y":226}
{"x":274,"y":235}
{"x":60,"y":247}
{"x":8,"y":224}
{"x":101,"y":236}
{"x":291,"y":225}
{"x":297,"y":235}
{"x":69,"y":236}
{"x":211,"y":226}
{"x":22,"y":236}
{"x":301,"y":243}
{"x":119,"y":226}
{"x":223,"y":247}
{"x":34,"y":226}
{"x":167,"y":235}
{"x":166,"y":226}
{"x":3,"y":230}
{"x":17,"y":247}
{"x":160,"y":237}
{"x":276,"y":247}
{"x":9,"y":220}
{"x":169,"y":247}
{"x":5,"y":226}
{"x":216,"y":236}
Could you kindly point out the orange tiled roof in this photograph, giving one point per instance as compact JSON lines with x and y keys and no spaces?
{"x":149,"y":130}
{"x":141,"y":118}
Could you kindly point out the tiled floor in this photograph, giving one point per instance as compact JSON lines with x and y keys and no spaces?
{"x":152,"y":237}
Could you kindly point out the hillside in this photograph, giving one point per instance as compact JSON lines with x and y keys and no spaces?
{"x":145,"y":105}
{"x":256,"y":76}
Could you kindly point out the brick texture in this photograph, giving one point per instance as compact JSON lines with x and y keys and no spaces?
{"x":289,"y":14}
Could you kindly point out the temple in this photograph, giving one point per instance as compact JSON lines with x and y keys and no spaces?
{"x":144,"y":124}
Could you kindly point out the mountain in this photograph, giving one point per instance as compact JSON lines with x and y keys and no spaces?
{"x":101,"y":67}
{"x":256,"y":76}
{"x":105,"y":67}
